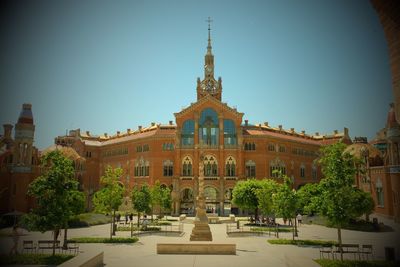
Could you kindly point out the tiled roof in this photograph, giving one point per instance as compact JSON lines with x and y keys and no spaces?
{"x":255,"y":132}
{"x":291,"y":135}
{"x":153,"y":130}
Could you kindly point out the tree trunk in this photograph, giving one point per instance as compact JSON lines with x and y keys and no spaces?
{"x":65,"y":238}
{"x":295,"y":227}
{"x":111,"y":229}
{"x":339,"y":231}
{"x":256,"y":214}
{"x":138,"y":220}
{"x":56,"y":231}
{"x":113,"y":222}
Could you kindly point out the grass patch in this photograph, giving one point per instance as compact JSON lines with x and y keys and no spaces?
{"x":34,"y":259}
{"x":134,"y":228}
{"x":299,"y":242}
{"x":105,"y":240}
{"x":271,"y":229}
{"x":352,"y":263}
{"x":88,"y":219}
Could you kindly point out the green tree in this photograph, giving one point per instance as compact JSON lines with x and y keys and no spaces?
{"x":340,"y":201}
{"x":308,"y":197}
{"x":52,"y":191}
{"x":285,"y":202}
{"x":161,"y":197}
{"x":76,"y":202}
{"x":244,"y":195}
{"x":268,"y":188}
{"x":156,"y":196}
{"x":141,"y":200}
{"x":110,"y":196}
{"x":166,"y":199}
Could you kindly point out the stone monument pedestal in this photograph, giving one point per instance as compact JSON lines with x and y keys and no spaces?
{"x":201,"y":230}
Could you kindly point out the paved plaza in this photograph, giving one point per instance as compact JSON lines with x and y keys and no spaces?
{"x":251,"y":250}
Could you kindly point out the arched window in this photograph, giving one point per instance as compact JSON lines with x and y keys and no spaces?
{"x":187,"y":166}
{"x":210,"y":166}
{"x":230,"y":167}
{"x":250,"y":168}
{"x":168,"y":168}
{"x":208,"y":127}
{"x":229,"y":132}
{"x":277,"y":168}
{"x":314,"y":172}
{"x":379,"y":193}
{"x":302,"y":170}
{"x":187,"y":195}
{"x":210,"y":193}
{"x":187,"y":136}
{"x":141,"y":167}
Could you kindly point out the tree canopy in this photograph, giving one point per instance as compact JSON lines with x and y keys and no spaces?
{"x":56,"y":194}
{"x":110,"y":196}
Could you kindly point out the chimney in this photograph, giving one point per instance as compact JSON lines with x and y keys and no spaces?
{"x":246,"y":122}
{"x":292,"y":130}
{"x":335,"y":131}
{"x":88,"y":133}
{"x":106,"y":135}
{"x":140,"y":128}
{"x":153,"y":123}
{"x":303,"y":132}
{"x":346,"y":131}
{"x":128,"y":130}
{"x":317,"y":133}
{"x":7,"y":130}
{"x":266,"y":123}
{"x":118,"y":133}
{"x":280,"y":127}
{"x":170,"y":122}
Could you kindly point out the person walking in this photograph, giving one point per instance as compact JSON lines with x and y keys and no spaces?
{"x":299,"y":218}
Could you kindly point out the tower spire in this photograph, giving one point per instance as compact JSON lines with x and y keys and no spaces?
{"x":209,"y":20}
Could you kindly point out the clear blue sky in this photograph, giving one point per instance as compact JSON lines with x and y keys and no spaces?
{"x":105,"y":66}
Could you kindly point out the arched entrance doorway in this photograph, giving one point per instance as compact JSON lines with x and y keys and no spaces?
{"x":211,"y":197}
{"x":187,"y":201}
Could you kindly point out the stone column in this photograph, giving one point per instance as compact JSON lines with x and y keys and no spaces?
{"x":201,"y":230}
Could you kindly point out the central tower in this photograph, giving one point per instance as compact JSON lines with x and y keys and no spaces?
{"x":209,"y":85}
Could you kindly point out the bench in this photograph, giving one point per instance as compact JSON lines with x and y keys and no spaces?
{"x":72,"y":245}
{"x":365,"y":251}
{"x":48,"y":244}
{"x":348,"y":249}
{"x":325,"y":250}
{"x":28,"y":245}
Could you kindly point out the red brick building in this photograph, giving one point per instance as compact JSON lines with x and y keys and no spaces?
{"x":233,"y":150}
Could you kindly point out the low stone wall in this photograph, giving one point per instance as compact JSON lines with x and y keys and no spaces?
{"x":86,"y":259}
{"x":193,"y":248}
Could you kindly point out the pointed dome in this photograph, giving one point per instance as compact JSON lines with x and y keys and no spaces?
{"x":26,"y":115}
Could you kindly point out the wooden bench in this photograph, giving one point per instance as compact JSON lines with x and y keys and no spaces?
{"x":28,"y":245}
{"x":72,"y":245}
{"x":348,"y":249}
{"x":325,"y":250}
{"x":48,"y":244}
{"x":365,"y":251}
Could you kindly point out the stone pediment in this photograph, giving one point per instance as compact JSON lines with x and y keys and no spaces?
{"x":215,"y":103}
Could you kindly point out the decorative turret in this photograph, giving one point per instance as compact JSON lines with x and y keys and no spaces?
{"x":23,"y":146}
{"x":392,"y":136}
{"x":209,"y":85}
